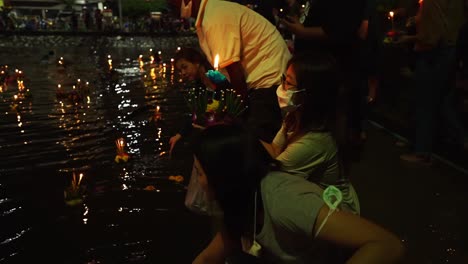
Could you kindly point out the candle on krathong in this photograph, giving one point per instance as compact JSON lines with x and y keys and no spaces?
{"x":121,"y":154}
{"x":59,"y":92}
{"x":109,"y":61}
{"x":214,"y":75}
{"x":216,"y":62}
{"x":74,"y":193}
{"x":120,"y":144}
{"x":140,"y":61}
{"x":153,"y":74}
{"x":157,"y":113}
{"x":391,"y":14}
{"x":20,"y":85}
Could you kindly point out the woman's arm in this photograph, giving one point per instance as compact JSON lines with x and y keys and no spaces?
{"x":272,"y":148}
{"x":216,"y":252}
{"x":373,"y":243}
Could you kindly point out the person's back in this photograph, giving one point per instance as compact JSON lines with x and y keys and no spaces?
{"x":243,"y":35}
{"x":253,"y":54}
{"x":312,"y":156}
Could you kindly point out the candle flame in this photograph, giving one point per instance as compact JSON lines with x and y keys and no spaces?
{"x":391,"y":14}
{"x":120,"y":143}
{"x":216,"y":62}
{"x":81,"y":177}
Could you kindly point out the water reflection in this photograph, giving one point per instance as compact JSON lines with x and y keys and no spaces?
{"x":80,"y":104}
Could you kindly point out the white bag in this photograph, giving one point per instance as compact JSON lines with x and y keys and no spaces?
{"x":196,"y":199}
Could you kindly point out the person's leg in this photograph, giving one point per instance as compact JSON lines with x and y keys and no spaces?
{"x":431,"y":75}
{"x":424,"y":112}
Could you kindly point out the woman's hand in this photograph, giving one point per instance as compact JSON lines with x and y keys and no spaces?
{"x":173,"y":140}
{"x":198,"y":126}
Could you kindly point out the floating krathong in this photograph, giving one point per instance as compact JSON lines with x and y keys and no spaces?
{"x":121,"y":154}
{"x":73,"y":194}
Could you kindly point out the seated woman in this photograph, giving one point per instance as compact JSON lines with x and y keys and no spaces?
{"x":306,"y":143}
{"x":294,"y":223}
{"x":193,"y":65}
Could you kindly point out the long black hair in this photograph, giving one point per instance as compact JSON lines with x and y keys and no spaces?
{"x":234,"y":162}
{"x":317,"y":75}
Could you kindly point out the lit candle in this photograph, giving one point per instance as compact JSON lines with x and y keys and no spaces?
{"x":81,"y":177}
{"x":157,"y":114}
{"x":214,"y":75}
{"x":140,"y":59}
{"x":120,"y":143}
{"x":109,"y":61}
{"x":178,"y":48}
{"x":391,"y":13}
{"x":216,"y":62}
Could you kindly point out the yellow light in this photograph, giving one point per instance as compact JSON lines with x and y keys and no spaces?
{"x":216,"y":62}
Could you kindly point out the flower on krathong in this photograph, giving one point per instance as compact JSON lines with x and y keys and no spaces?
{"x":177,"y":178}
{"x":121,"y":157}
{"x":213,"y":106}
{"x":208,"y":111}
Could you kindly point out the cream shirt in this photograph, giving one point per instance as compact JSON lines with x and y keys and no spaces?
{"x":238,"y":33}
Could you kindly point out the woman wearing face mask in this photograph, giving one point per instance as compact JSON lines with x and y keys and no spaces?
{"x":306,"y":144}
{"x":284,"y":214}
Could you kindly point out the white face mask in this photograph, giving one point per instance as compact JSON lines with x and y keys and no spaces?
{"x":285,"y":98}
{"x":185,"y":10}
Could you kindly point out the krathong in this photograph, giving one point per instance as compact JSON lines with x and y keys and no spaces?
{"x":73,"y":194}
{"x":121,"y":154}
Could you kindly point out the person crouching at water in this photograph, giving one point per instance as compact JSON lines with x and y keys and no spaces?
{"x":289,"y":220}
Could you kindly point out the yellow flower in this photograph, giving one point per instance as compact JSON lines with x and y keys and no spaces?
{"x":177,"y":178}
{"x":121,"y":157}
{"x":150,"y":188}
{"x":213,"y":106}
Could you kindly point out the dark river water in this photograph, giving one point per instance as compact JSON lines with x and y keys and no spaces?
{"x":131,"y":212}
